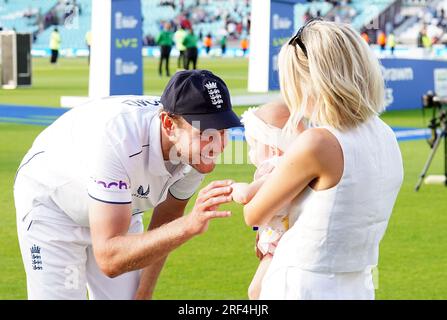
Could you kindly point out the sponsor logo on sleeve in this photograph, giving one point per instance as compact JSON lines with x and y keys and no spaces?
{"x":121,"y":185}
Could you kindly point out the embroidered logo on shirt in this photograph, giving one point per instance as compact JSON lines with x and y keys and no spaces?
{"x":214,"y":92}
{"x":36,"y":258}
{"x":141,"y":193}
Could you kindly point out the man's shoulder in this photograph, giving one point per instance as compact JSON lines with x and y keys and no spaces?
{"x":123,"y":115}
{"x":111,"y":106}
{"x":129,"y":100}
{"x":152,"y":103}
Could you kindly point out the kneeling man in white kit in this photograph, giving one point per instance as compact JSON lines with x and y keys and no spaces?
{"x":81,"y":190}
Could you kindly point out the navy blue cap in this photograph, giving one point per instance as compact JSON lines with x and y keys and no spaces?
{"x":201,"y":98}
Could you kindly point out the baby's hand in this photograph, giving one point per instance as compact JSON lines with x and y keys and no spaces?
{"x":240,"y":192}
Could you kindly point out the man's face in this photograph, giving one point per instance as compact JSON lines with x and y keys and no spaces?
{"x":205,"y":148}
{"x":199,"y":149}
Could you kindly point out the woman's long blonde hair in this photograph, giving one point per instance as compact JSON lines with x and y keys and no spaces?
{"x":341,"y":77}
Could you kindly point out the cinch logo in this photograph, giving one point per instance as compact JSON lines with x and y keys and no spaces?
{"x":125,"y":68}
{"x":126,"y":43}
{"x":124,"y":22}
{"x":120,"y":185}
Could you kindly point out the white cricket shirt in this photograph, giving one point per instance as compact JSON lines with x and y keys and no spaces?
{"x":110,"y":150}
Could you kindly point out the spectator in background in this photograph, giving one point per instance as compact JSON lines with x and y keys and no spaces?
{"x":223,"y":44}
{"x":164,"y":40}
{"x":420,"y":36}
{"x":365,"y":37}
{"x":381,"y":40}
{"x":179,"y":37}
{"x":208,"y":43}
{"x":55,"y":44}
{"x":244,"y":45}
{"x":239,"y":28}
{"x":426,"y":41}
{"x":190,"y":43}
{"x":149,"y":41}
{"x":307,"y":16}
{"x":392,"y":42}
{"x":185,"y":23}
{"x":88,"y":42}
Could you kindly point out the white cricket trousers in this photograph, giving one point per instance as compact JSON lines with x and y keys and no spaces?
{"x":59,"y":261}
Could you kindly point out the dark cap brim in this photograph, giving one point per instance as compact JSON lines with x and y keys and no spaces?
{"x":218,"y":121}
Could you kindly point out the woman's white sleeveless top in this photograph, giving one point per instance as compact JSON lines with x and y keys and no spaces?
{"x":339,"y":229}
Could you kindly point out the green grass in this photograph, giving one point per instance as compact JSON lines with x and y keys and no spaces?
{"x":220,"y":263}
{"x":70,"y":78}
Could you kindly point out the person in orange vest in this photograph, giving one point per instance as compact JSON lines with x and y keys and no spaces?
{"x":381,"y":40}
{"x":208,"y":43}
{"x":244,"y":45}
{"x":365,"y":36}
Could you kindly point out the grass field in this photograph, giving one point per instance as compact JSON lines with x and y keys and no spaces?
{"x":70,"y":78}
{"x":220,"y":263}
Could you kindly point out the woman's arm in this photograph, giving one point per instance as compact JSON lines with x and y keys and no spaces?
{"x":315,"y":156}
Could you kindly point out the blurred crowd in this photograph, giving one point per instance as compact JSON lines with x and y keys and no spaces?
{"x":433,"y":25}
{"x":219,"y":24}
{"x":234,"y":19}
{"x":342,"y":11}
{"x":61,"y":14}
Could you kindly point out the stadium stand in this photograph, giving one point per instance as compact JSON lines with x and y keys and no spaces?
{"x":420,"y":16}
{"x":74,"y":24}
{"x":215,"y":17}
{"x":24,"y":15}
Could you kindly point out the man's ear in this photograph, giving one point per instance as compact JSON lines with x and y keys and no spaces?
{"x":167,"y":123}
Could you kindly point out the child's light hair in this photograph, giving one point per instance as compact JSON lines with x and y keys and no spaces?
{"x":257,"y":129}
{"x":341,"y":78}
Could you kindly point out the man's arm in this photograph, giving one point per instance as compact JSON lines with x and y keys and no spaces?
{"x":170,"y":210}
{"x":117,"y":252}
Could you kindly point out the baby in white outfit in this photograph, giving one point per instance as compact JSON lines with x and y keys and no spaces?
{"x":267,"y":141}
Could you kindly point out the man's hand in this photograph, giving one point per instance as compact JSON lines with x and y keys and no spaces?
{"x":207,"y":204}
{"x":240,"y":192}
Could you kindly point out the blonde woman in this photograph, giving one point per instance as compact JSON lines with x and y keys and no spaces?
{"x":343,"y":174}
